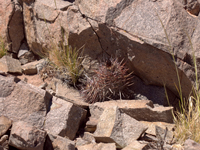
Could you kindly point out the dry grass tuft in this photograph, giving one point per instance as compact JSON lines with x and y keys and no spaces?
{"x":68,"y":60}
{"x":3,"y":47}
{"x":188,"y":120}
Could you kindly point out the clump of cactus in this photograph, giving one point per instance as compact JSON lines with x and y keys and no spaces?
{"x":111,"y":81}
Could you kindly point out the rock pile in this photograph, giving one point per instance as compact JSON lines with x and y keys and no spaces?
{"x":33,"y":119}
{"x":38,"y":112}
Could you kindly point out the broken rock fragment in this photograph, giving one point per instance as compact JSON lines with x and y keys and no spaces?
{"x":27,"y":137}
{"x":64,"y":118}
{"x":117,"y":127}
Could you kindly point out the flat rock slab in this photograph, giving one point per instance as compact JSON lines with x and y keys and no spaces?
{"x":10,"y":65}
{"x":27,"y":137}
{"x":26,"y":103}
{"x":118,"y":127}
{"x":5,"y":124}
{"x":100,"y":146}
{"x":141,"y":110}
{"x":31,"y":68}
{"x":69,"y":94}
{"x":64,"y":118}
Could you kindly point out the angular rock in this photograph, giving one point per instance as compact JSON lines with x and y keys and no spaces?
{"x":81,"y":142}
{"x":152,"y":126}
{"x":136,"y":145}
{"x":64,"y":118}
{"x":164,"y":135}
{"x":10,"y":65}
{"x":89,"y":137}
{"x":61,"y":143}
{"x":3,"y":139}
{"x":68,"y":93}
{"x":27,"y":137}
{"x":191,"y":145}
{"x":7,"y":85}
{"x":100,"y":146}
{"x":5,"y":124}
{"x":24,"y":55}
{"x":91,"y":125}
{"x":120,"y":128}
{"x":141,"y":110}
{"x":31,"y":68}
{"x":27,"y":103}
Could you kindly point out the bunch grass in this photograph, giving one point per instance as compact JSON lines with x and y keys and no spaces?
{"x":3,"y":47}
{"x":187,"y":119}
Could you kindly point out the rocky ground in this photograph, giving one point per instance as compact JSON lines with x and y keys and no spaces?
{"x":37,"y":114}
{"x":39,"y":111}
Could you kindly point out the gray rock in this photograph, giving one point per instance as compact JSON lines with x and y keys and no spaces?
{"x":5,"y":124}
{"x":27,"y":137}
{"x":27,"y":103}
{"x":120,"y":128}
{"x":10,"y":65}
{"x":64,"y":118}
{"x":7,"y":85}
{"x":191,"y":145}
{"x":24,"y":55}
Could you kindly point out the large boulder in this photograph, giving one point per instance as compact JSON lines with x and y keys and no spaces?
{"x":11,"y":23}
{"x":144,"y":33}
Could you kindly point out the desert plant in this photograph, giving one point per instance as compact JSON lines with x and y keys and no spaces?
{"x":187,"y":120}
{"x":69,"y":60}
{"x":3,"y":47}
{"x":111,"y":81}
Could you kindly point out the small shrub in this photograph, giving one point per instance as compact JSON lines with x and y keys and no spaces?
{"x":3,"y":47}
{"x":111,"y":81}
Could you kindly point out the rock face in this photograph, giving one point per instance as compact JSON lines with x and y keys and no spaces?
{"x":143,"y":33}
{"x":122,"y":29}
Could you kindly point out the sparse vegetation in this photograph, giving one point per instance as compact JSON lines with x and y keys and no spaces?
{"x":68,"y":60}
{"x":187,"y":120}
{"x":3,"y":47}
{"x":111,"y":81}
